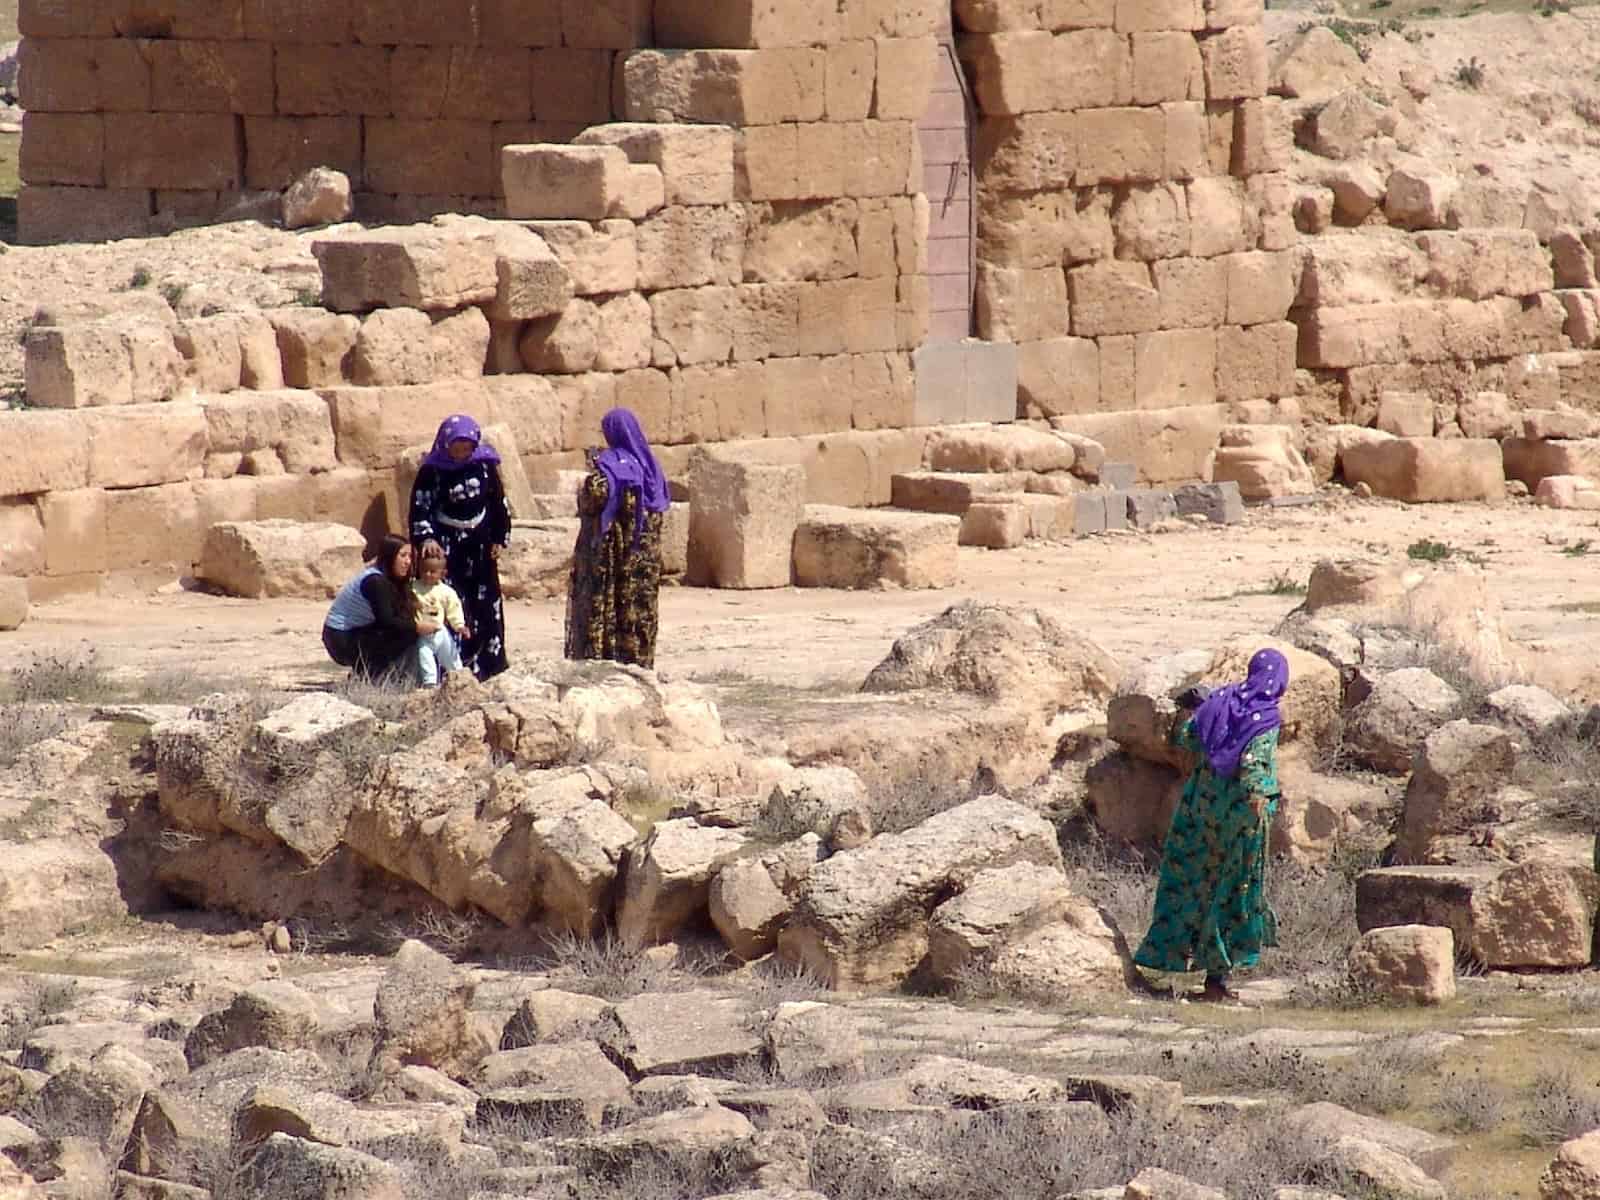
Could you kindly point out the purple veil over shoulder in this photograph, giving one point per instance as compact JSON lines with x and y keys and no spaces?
{"x":454,"y":429}
{"x":629,"y":463}
{"x":1233,"y":715}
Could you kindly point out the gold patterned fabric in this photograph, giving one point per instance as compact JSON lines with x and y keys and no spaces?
{"x":613,"y":600}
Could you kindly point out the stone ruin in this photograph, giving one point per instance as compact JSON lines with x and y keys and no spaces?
{"x":811,"y":237}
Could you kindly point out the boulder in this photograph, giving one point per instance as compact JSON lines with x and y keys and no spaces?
{"x":99,"y":1101}
{"x":1323,"y":1125}
{"x":423,"y":1014}
{"x":1458,"y":770}
{"x":810,"y":800}
{"x":431,"y":267}
{"x":551,"y":1014}
{"x":576,"y":845}
{"x":274,"y":1013}
{"x":1574,"y":1173}
{"x":1081,"y":953}
{"x":1407,"y":963}
{"x":1567,"y":491}
{"x":806,"y":1040}
{"x":279,"y":558}
{"x":1403,"y":707}
{"x":538,"y":561}
{"x":1526,"y":708}
{"x":676,"y":1033}
{"x":1132,"y":799}
{"x":863,"y":549}
{"x":1153,"y":1183}
{"x":1001,"y":653}
{"x":862,"y":917}
{"x":173,"y":1138}
{"x":1316,"y":65}
{"x":320,"y":1172}
{"x":1341,"y":127}
{"x":578,"y":1069}
{"x":995,"y":907}
{"x":1379,"y":1171}
{"x":319,"y":197}
{"x":682,"y":1142}
{"x":668,"y":878}
{"x":13,"y":602}
{"x":960,"y":1083}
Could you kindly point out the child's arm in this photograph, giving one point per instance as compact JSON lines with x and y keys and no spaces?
{"x":454,"y":615}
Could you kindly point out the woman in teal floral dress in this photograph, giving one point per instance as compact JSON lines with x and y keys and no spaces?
{"x":1211,"y":909}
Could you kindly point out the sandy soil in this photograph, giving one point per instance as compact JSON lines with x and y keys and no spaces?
{"x":1137,"y":594}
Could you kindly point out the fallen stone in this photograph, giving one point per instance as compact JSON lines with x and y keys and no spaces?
{"x":807,"y":1040}
{"x":1385,"y":730}
{"x":319,"y":197}
{"x":668,"y":878}
{"x":274,"y":1014}
{"x":1413,"y":964}
{"x":280,"y":558}
{"x":423,"y":1014}
{"x":1457,"y":770}
{"x":861,"y":549}
{"x":674,"y":1033}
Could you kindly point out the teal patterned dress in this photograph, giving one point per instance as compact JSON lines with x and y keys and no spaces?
{"x":1211,"y":901}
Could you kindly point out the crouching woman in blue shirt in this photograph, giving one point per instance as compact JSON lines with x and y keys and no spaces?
{"x":371,"y":627}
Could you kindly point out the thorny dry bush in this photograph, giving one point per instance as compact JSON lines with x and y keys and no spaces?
{"x":25,"y":725}
{"x":1561,"y":766}
{"x":1560,"y":1106}
{"x":1471,"y":1103}
{"x":41,"y":1000}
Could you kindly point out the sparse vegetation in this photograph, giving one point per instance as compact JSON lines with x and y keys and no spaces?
{"x":25,"y":725}
{"x":139,"y":279}
{"x":1471,"y":1104}
{"x":1561,"y":765}
{"x":173,"y":293}
{"x":59,"y":676}
{"x":1559,"y":1106}
{"x":41,"y":1000}
{"x":1470,"y":74}
{"x":1428,"y":550}
{"x":1578,"y":548}
{"x":609,"y":968}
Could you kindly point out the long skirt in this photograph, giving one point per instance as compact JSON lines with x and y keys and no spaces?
{"x":476,"y":579}
{"x":613,"y":603}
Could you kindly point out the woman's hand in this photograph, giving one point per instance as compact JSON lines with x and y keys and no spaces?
{"x":494,"y":551}
{"x":427,"y":628}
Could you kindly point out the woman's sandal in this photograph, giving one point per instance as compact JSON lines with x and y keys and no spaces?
{"x":1217,"y":992}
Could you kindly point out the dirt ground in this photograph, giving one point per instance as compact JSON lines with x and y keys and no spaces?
{"x":1137,"y":594}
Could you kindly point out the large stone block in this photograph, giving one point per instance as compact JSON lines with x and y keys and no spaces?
{"x":1166,"y":66}
{"x":1174,"y":368}
{"x":211,"y":77}
{"x":315,"y":345}
{"x":1428,"y":469}
{"x":1113,"y":297}
{"x":695,"y":161}
{"x":854,"y":549}
{"x":726,"y":87}
{"x":1121,"y":145}
{"x":63,"y":148}
{"x":145,"y":444}
{"x":293,"y":425}
{"x":138,"y":150}
{"x":1167,"y":445}
{"x":1027,"y":153}
{"x":260,"y":559}
{"x":601,"y":258}
{"x":585,"y":182}
{"x":1478,"y":263}
{"x":685,"y":246}
{"x":22,"y":544}
{"x":1261,"y":286}
{"x":425,"y":266}
{"x":57,"y":457}
{"x":742,"y":523}
{"x":1235,"y":63}
{"x":1021,"y":305}
{"x":1058,"y":376}
{"x":48,"y":214}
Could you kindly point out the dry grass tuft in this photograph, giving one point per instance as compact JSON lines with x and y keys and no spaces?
{"x":1559,"y":1107}
{"x":41,"y":1000}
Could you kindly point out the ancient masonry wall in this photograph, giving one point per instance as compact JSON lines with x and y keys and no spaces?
{"x":743,"y":240}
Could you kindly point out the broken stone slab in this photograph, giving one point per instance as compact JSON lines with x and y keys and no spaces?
{"x":668,"y":878}
{"x":577,"y":1070}
{"x":273,"y":1013}
{"x":1158,"y":1099}
{"x":1148,"y":507}
{"x":861,"y":919}
{"x":551,"y":1014}
{"x":278,"y":558}
{"x":423,"y":1013}
{"x":1220,"y":503}
{"x":1413,"y":964}
{"x":960,"y":1083}
{"x":859,"y":549}
{"x":1386,"y":729}
{"x":950,"y":493}
{"x":1141,"y":713}
{"x":1153,"y":1183}
{"x":1457,"y":769}
{"x":320,"y":1171}
{"x":993,"y":449}
{"x":1379,"y":1171}
{"x":995,"y":907}
{"x":808,"y":1039}
{"x":683,"y":1139}
{"x":674,"y":1033}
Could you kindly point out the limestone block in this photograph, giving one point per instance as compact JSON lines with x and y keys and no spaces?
{"x":137,"y":154}
{"x":1014,"y":73}
{"x":1057,"y":376}
{"x":1113,"y":297}
{"x":743,"y":520}
{"x":424,"y":266}
{"x":1134,"y":16}
{"x":601,"y":258}
{"x":140,"y":445}
{"x":1020,"y":305}
{"x":1405,"y":414}
{"x":622,"y":340}
{"x":1219,"y":220}
{"x":531,"y":279}
{"x":1426,"y":469}
{"x":1175,"y":367}
{"x":688,"y":247}
{"x":1582,"y":326}
{"x":1263,"y":463}
{"x":695,"y":161}
{"x":565,"y":344}
{"x":1027,"y":153}
{"x":92,"y":363}
{"x":1193,"y":291}
{"x":1377,"y":333}
{"x":63,"y":148}
{"x":57,"y":457}
{"x":855,"y":549}
{"x":745,"y":24}
{"x":259,"y":559}
{"x":996,"y":450}
{"x":995,"y":525}
{"x":698,"y":324}
{"x":1479,"y":263}
{"x":948,"y":492}
{"x":850,"y":72}
{"x":1316,"y":65}
{"x":1121,"y":145}
{"x":1417,"y":199}
{"x":1167,"y":445}
{"x":293,"y":425}
{"x":1235,"y":63}
{"x":554,"y":182}
{"x":1367,"y":268}
{"x":904,"y":77}
{"x":1166,"y":66}
{"x":1261,"y":286}
{"x":882,"y":158}
{"x":47,"y":214}
{"x":1187,"y":137}
{"x":1567,"y":491}
{"x":738,"y":88}
{"x":1575,"y":1170}
{"x":393,"y":347}
{"x":314,"y":345}
{"x":1572,"y":259}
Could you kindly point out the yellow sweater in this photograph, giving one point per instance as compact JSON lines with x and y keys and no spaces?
{"x":438,"y":602}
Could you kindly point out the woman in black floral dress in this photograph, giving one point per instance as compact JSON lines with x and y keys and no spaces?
{"x":612,"y":604}
{"x":459,"y":500}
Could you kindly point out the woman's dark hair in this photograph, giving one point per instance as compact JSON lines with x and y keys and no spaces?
{"x":388,"y":550}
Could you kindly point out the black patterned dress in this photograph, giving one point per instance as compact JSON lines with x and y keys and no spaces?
{"x":465,"y":510}
{"x":613,"y":601}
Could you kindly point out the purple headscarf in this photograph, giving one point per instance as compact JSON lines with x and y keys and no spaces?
{"x":629,"y":463}
{"x":1231,"y":716}
{"x":454,"y":429}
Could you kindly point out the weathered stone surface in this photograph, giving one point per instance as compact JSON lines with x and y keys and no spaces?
{"x":319,"y":197}
{"x":674,"y":1033}
{"x":436,"y":268}
{"x":1409,"y":963}
{"x":999,"y":448}
{"x":1458,"y":769}
{"x":668,"y":878}
{"x":806,"y":1039}
{"x":423,"y":1013}
{"x":1527,"y":708}
{"x":274,"y":1014}
{"x":1140,"y":715}
{"x":1386,"y":729}
{"x":1153,"y":1183}
{"x":857,"y":549}
{"x":742,"y":523}
{"x":1326,"y":1124}
{"x":99,"y":1101}
{"x":261,"y":559}
{"x":995,"y":906}
{"x":861,"y":919}
{"x":578,"y":1068}
{"x":1574,"y":1173}
{"x":322,"y":1171}
{"x":552,"y":1014}
{"x":1536,"y":915}
{"x":995,"y":525}
{"x":1427,"y":469}
{"x":748,"y":908}
{"x":1263,"y":462}
{"x":13,"y":602}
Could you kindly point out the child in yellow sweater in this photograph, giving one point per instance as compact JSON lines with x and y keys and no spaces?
{"x":438,"y":607}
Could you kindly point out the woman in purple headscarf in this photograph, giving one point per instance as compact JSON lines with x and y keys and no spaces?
{"x":612,"y":605}
{"x":459,"y":501}
{"x":1211,"y":909}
